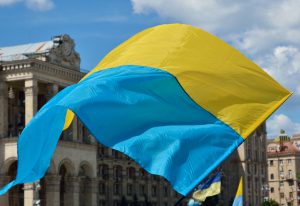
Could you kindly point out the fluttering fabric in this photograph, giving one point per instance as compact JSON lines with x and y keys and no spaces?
{"x":174,"y":98}
{"x":210,"y":188}
{"x":238,"y":200}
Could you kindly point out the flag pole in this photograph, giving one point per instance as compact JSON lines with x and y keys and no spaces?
{"x":180,"y":200}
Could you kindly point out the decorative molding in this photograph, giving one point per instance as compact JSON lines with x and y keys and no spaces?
{"x":22,"y":67}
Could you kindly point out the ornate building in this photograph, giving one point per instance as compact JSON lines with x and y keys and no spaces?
{"x":29,"y":76}
{"x":82,"y":172}
{"x":284,"y":169}
{"x":250,"y":162}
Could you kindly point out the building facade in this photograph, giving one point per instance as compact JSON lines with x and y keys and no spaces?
{"x":284,"y":169}
{"x":29,"y":76}
{"x":82,"y":172}
{"x":250,"y":163}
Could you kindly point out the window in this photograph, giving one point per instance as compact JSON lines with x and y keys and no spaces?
{"x":116,"y":154}
{"x":129,"y":189}
{"x":142,"y":190}
{"x":289,"y":161}
{"x":281,"y":184}
{"x":117,"y":172}
{"x":131,"y":173}
{"x":102,"y":188}
{"x":291,"y":194}
{"x":166,"y":191}
{"x":142,"y":174}
{"x":271,"y":162}
{"x":272,"y":176}
{"x":103,"y":171}
{"x":281,"y":162}
{"x":272,"y":189}
{"x":102,"y":151}
{"x":153,"y":191}
{"x":281,"y":168}
{"x":117,"y":188}
{"x":290,"y":174}
{"x":281,"y":195}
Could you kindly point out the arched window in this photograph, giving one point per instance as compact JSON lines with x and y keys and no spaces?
{"x":143,"y":174}
{"x":117,"y":188}
{"x":16,"y":194}
{"x":63,"y":175}
{"x":131,"y":173}
{"x":117,"y":172}
{"x":103,"y":171}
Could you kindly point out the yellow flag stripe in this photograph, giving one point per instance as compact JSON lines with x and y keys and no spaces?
{"x":214,"y":74}
{"x":240,"y":188}
{"x":201,"y":195}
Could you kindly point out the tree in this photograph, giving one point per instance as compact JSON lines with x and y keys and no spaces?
{"x":270,"y":202}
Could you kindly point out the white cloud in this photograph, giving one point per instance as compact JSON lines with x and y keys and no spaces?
{"x":281,"y":121}
{"x":283,"y":64}
{"x":8,"y":2}
{"x":38,"y":5}
{"x":266,"y":31}
{"x":298,"y":90}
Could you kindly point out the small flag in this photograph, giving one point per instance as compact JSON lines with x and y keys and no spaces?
{"x":238,"y":200}
{"x":210,"y":188}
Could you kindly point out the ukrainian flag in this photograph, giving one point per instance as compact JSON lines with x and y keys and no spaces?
{"x":174,"y":98}
{"x":210,"y":188}
{"x":238,"y":200}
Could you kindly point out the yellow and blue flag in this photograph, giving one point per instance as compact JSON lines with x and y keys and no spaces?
{"x":210,"y":188}
{"x":238,"y":200}
{"x":176,"y":94}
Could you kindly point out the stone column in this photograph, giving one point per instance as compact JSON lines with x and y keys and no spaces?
{"x":31,"y":99}
{"x":3,"y":109}
{"x":72,"y":191}
{"x":31,"y":104}
{"x":29,"y":194}
{"x":52,"y":184}
{"x":4,"y":198}
{"x":75,"y":129}
{"x":91,"y":191}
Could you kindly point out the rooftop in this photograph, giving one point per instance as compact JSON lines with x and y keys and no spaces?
{"x":60,"y":50}
{"x":25,"y":51}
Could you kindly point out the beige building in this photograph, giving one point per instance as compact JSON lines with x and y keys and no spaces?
{"x":250,"y":162}
{"x":82,"y":172}
{"x":284,"y":169}
{"x":29,"y":76}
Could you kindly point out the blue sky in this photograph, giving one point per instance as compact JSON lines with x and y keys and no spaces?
{"x":262,"y":30}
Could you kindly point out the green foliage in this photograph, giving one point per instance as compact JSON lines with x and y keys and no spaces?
{"x":270,"y":202}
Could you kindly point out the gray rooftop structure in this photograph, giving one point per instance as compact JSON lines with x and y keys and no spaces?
{"x":59,"y":50}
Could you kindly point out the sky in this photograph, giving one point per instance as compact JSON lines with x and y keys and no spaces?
{"x":268,"y":32}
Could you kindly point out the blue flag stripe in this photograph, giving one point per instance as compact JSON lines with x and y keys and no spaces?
{"x":140,"y":111}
